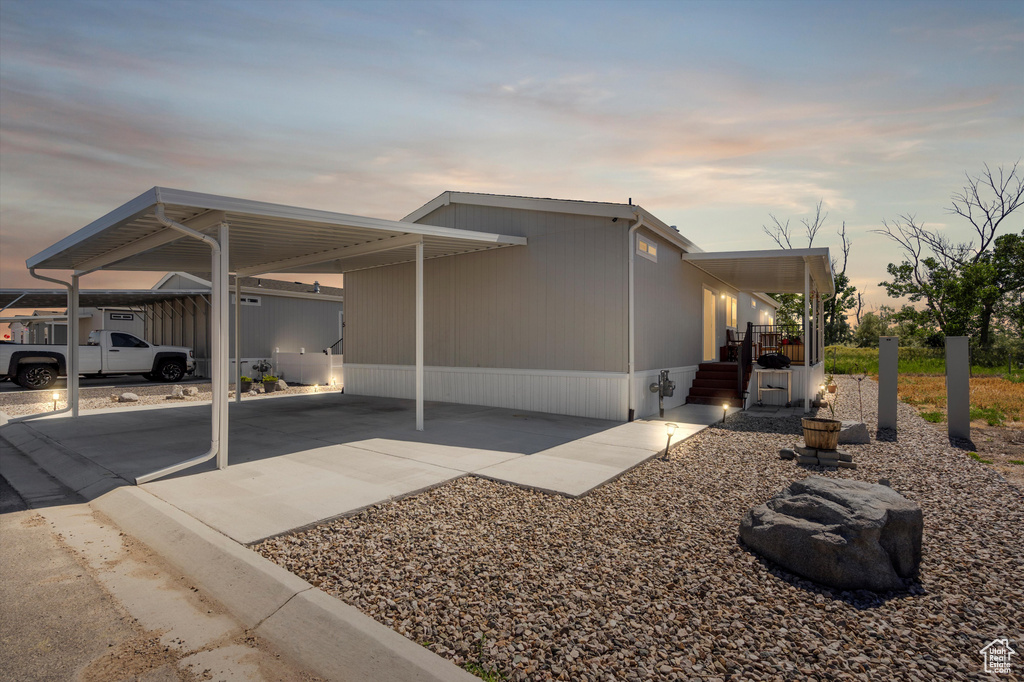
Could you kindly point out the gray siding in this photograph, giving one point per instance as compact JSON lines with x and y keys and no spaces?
{"x":669,"y":309}
{"x":285,"y":323}
{"x":558,"y":303}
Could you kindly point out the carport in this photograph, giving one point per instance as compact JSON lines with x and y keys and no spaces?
{"x":167,"y":229}
{"x":142,"y":302}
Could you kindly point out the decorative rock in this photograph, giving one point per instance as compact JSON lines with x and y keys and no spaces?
{"x":803,"y":459}
{"x":281,"y":385}
{"x":786,"y":453}
{"x":846,"y":465}
{"x":845,"y":534}
{"x":128,"y":398}
{"x":177,"y":392}
{"x":191,"y":390}
{"x":854,"y":433}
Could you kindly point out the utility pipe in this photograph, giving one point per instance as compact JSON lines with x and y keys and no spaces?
{"x":69,"y":358}
{"x":631,"y":360}
{"x":219,"y":386}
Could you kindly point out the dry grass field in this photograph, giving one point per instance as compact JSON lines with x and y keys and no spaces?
{"x":993,"y":399}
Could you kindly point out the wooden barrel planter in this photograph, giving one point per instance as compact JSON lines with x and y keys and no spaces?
{"x":822,"y":434}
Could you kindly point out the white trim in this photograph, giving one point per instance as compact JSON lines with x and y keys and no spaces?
{"x":599,"y":395}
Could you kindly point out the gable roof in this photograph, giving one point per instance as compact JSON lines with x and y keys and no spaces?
{"x":604,"y":209}
{"x":270,"y":286}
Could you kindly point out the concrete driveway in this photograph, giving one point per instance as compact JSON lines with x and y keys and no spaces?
{"x":299,"y":460}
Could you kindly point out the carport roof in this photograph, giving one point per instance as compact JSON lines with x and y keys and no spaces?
{"x":264,"y":238}
{"x":777,"y":271}
{"x":90,"y":298}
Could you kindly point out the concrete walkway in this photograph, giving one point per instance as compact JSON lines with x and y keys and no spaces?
{"x":300,"y":460}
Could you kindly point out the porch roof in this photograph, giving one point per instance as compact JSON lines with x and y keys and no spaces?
{"x":775,"y":271}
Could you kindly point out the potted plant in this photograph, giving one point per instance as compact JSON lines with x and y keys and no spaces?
{"x":245,"y":384}
{"x":269,"y":383}
{"x":830,"y":384}
{"x":822,"y":434}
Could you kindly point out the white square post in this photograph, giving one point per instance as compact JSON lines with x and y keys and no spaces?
{"x":220,"y":352}
{"x":238,"y":342}
{"x":73,"y":346}
{"x":807,"y":337}
{"x":419,"y":335}
{"x":888,"y":374}
{"x":958,"y":387}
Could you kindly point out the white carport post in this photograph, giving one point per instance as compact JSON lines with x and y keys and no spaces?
{"x":220,"y":302}
{"x":238,"y":343}
{"x":806,"y":335}
{"x":73,"y":349}
{"x":419,"y":335}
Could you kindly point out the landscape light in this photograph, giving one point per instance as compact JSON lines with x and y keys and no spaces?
{"x":55,"y":396}
{"x":725,"y":411}
{"x":670,"y":428}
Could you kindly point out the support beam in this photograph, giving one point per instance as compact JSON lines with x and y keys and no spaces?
{"x":220,"y":285}
{"x":807,"y":338}
{"x":419,"y":336}
{"x":74,"y":350}
{"x":238,"y":341}
{"x":378,"y":246}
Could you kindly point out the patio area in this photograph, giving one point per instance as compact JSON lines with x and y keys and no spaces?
{"x":299,"y":460}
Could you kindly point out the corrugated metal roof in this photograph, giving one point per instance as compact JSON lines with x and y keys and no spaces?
{"x":91,"y":298}
{"x":262,"y":237}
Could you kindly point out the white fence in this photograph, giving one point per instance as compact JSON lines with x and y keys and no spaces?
{"x":324,"y":369}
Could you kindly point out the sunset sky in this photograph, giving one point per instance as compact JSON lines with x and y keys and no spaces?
{"x":711,"y":115}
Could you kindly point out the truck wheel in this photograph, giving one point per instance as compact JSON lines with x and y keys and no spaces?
{"x":170,"y":370}
{"x":37,"y":377}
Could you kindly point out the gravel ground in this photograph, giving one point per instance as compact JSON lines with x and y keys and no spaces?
{"x":645,"y":577}
{"x":30,"y":402}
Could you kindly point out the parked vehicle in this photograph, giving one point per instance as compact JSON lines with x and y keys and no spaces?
{"x":37,"y":366}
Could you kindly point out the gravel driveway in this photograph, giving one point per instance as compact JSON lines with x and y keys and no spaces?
{"x":645,"y":578}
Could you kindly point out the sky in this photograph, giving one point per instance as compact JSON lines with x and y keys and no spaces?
{"x":711,"y":115}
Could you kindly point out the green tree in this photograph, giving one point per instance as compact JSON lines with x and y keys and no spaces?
{"x":962,"y":284}
{"x":870,"y":328}
{"x":836,"y":327}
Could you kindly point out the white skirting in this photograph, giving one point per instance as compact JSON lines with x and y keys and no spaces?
{"x":646,"y":403}
{"x":600,"y":395}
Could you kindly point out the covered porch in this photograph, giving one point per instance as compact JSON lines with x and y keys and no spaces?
{"x":794,"y":271}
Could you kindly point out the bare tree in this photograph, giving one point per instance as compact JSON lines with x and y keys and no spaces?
{"x":942,"y":271}
{"x":860,"y":306}
{"x":780,"y":234}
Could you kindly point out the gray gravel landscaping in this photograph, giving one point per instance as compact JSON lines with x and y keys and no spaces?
{"x":645,"y":577}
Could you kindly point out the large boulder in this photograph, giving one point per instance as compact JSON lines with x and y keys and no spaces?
{"x":844,"y":534}
{"x":854,"y":433}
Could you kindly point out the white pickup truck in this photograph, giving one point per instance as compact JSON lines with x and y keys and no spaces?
{"x":37,"y":367}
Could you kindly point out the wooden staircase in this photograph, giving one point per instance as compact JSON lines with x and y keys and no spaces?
{"x":715,"y":384}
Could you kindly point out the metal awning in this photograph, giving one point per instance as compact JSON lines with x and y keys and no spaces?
{"x":168,"y":229}
{"x":776,"y":271}
{"x":91,"y":298}
{"x":264,"y":238}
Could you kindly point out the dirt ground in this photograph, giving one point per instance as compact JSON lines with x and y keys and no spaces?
{"x":1001,"y":445}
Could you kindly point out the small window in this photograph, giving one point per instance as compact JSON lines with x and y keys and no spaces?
{"x":753,"y":304}
{"x":122,"y":316}
{"x":247,"y":300}
{"x":647,"y":249}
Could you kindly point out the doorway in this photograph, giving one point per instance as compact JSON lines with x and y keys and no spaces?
{"x":709,"y":326}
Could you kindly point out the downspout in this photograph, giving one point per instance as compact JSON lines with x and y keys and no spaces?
{"x":631,"y":359}
{"x":216,"y":407}
{"x":69,"y":363}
